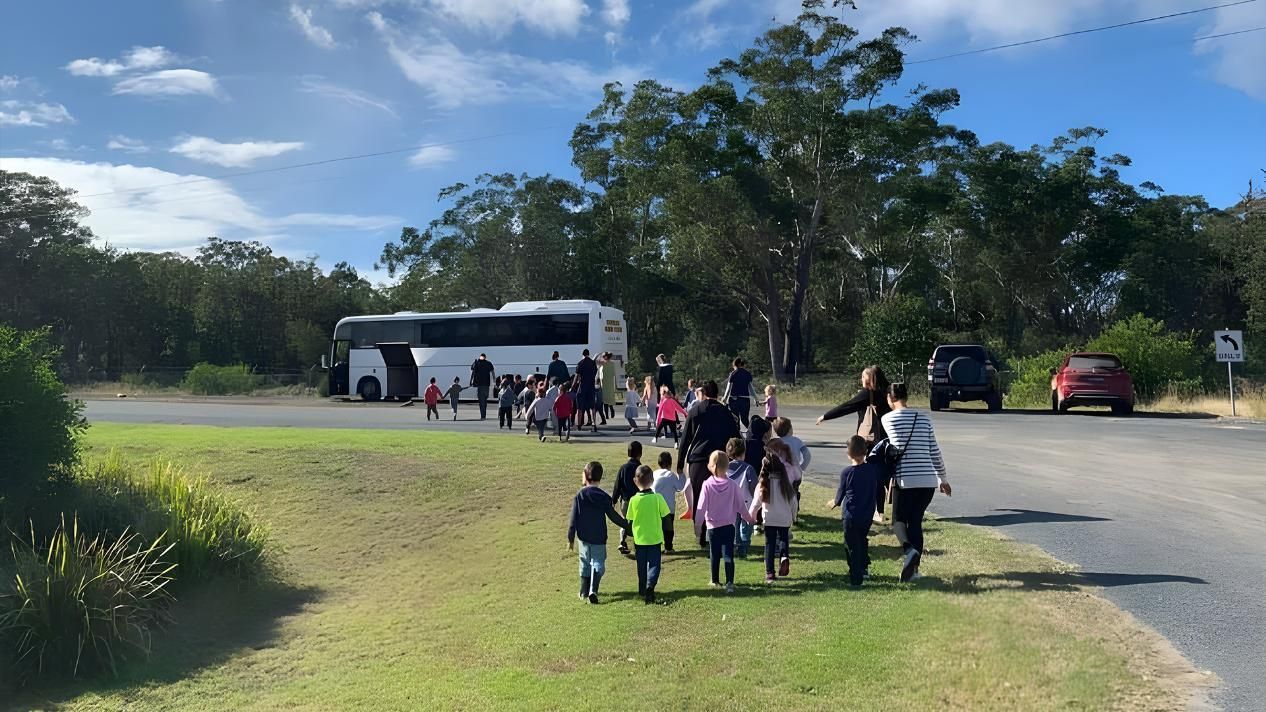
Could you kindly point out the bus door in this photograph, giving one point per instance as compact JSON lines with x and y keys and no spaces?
{"x":402,"y":370}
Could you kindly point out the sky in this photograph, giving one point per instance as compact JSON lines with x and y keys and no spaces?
{"x":154,"y":111}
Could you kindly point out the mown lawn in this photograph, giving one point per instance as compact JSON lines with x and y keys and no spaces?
{"x":426,"y":570}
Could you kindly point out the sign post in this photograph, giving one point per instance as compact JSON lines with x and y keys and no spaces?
{"x":1229,"y":346}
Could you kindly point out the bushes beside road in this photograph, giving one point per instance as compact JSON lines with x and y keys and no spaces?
{"x":102,"y":544}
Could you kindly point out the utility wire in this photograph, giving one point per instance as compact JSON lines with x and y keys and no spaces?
{"x":1089,"y":30}
{"x":290,"y":167}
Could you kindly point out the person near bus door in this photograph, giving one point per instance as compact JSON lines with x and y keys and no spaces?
{"x":557,"y":372}
{"x":481,"y":373}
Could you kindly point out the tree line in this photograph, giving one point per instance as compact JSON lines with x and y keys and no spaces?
{"x":766,"y":212}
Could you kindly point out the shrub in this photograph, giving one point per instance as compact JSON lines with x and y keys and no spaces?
{"x":209,"y":533}
{"x":1030,"y":385}
{"x":205,"y":379}
{"x":897,"y":335}
{"x":79,"y":605}
{"x":699,"y":360}
{"x":35,"y":416}
{"x":1154,"y":357}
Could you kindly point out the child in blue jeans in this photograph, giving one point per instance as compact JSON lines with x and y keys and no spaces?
{"x":743,"y":475}
{"x":856,"y":494}
{"x":589,"y":512}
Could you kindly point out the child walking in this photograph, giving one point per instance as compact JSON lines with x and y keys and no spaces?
{"x":589,"y":512}
{"x":651,"y":399}
{"x":432,"y":397}
{"x":646,"y":513}
{"x":626,"y":486}
{"x":800,"y":451}
{"x":668,"y":414}
{"x":667,"y":484}
{"x":858,"y":484}
{"x":771,"y":402}
{"x":541,"y":407}
{"x":525,"y":404}
{"x":720,"y":501}
{"x":776,"y":501}
{"x":564,"y":407}
{"x":453,"y":392}
{"x":743,"y":475}
{"x":632,"y":404}
{"x":505,"y":404}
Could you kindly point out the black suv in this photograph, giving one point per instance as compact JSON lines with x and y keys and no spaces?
{"x":963,"y":372}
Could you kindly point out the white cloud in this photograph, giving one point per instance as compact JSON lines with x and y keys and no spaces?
{"x":150,"y":209}
{"x":316,"y":34}
{"x":30,"y":113}
{"x":127,"y":145}
{"x":170,"y":82}
{"x":553,"y":17}
{"x":8,"y":82}
{"x":137,"y":58}
{"x":453,"y":78}
{"x":232,"y":155}
{"x":616,"y":13}
{"x":317,"y":85}
{"x":1237,"y":61}
{"x":338,"y":220}
{"x":429,"y":156}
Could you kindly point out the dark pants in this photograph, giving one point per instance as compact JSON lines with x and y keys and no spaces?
{"x":564,"y":425}
{"x":881,"y":497}
{"x":431,"y":410}
{"x":908,"y":507}
{"x":648,"y":561}
{"x":698,"y":472}
{"x":540,"y":427}
{"x":482,"y":393}
{"x":856,"y":548}
{"x":777,"y":546}
{"x":669,"y":424}
{"x":452,"y":403}
{"x":668,"y":532}
{"x":722,"y":549}
{"x":741,"y":407}
{"x":505,"y":416}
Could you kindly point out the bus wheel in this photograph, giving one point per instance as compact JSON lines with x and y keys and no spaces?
{"x":368,"y":389}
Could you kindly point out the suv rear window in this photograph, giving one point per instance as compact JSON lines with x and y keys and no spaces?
{"x":949,"y":353}
{"x":1088,"y":362}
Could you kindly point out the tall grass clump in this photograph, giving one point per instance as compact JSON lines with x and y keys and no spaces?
{"x":76,"y":604}
{"x":206,"y":379}
{"x":210,"y":534}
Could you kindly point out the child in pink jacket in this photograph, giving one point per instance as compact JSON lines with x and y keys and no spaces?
{"x":721,"y":501}
{"x":669,"y":412}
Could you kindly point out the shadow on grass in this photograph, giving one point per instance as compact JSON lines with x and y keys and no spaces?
{"x":210,"y":625}
{"x":1049,"y":581}
{"x":1022,"y":516}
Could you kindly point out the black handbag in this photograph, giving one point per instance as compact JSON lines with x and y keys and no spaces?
{"x":893,"y":454}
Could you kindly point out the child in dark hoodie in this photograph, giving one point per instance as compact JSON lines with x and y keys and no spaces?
{"x":626,"y":487}
{"x":856,"y":493}
{"x":589,"y":510}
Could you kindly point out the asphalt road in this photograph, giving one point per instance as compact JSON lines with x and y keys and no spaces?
{"x":1168,"y":515}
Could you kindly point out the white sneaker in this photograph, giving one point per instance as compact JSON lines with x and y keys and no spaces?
{"x":653,"y":441}
{"x":729,"y":588}
{"x":909,"y":565}
{"x":878,"y":518}
{"x":916,"y":575}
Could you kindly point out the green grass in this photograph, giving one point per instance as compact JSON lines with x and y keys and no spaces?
{"x":430,"y":570}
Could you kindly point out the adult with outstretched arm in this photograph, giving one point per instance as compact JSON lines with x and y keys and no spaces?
{"x":870,"y":404}
{"x":707,"y":430}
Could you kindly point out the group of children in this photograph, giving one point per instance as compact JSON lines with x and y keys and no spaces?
{"x":664,"y":412}
{"x":755,"y":483}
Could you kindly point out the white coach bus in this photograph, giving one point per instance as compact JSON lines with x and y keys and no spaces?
{"x":396,"y":355}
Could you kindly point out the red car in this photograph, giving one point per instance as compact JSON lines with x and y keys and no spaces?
{"x":1092,"y":379}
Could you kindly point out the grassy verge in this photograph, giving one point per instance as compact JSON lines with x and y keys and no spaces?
{"x":429,"y":570}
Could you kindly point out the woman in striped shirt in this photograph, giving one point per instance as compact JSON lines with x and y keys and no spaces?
{"x":919,"y":473}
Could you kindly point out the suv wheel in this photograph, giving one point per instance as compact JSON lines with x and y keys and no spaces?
{"x":1123,"y":409}
{"x":1055,"y":403}
{"x":934,"y":401}
{"x":993,"y":401}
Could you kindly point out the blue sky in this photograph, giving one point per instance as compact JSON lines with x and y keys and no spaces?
{"x":137,"y":104}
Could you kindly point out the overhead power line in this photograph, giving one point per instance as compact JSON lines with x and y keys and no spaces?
{"x":289,"y":167}
{"x":1090,"y":30}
